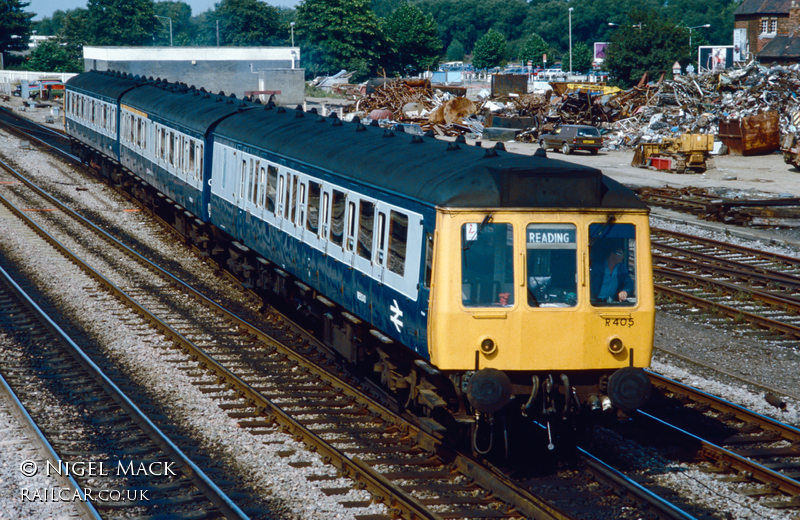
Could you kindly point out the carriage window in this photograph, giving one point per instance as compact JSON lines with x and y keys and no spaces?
{"x":366,"y":222}
{"x":381,"y":231}
{"x":551,"y":265}
{"x":191,"y":156}
{"x":293,"y":200}
{"x":325,"y":213}
{"x":263,"y":185}
{"x":200,"y":164}
{"x":612,"y":254}
{"x":338,"y":205}
{"x":171,"y":144}
{"x":428,"y":259}
{"x":312,"y":221}
{"x":301,"y":206}
{"x":243,"y":178}
{"x":487,"y":264}
{"x":145,"y":128}
{"x":351,"y":225}
{"x":139,"y":132}
{"x":251,"y":184}
{"x":398,"y":235}
{"x":131,"y":129}
{"x":272,"y":186}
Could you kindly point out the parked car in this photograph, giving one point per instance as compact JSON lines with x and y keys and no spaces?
{"x":568,"y":138}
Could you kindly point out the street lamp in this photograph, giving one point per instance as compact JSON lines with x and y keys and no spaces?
{"x":291,"y":25}
{"x":170,"y":27}
{"x":570,"y":39}
{"x":690,"y":32}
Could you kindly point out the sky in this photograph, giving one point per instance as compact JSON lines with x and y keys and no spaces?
{"x":45,"y":8}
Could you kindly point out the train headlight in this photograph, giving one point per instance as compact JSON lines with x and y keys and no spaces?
{"x":615,"y":345}
{"x":488,"y":346}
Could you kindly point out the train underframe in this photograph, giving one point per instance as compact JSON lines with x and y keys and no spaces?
{"x":489,"y":409}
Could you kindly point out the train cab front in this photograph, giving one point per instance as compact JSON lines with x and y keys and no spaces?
{"x":543,"y":315}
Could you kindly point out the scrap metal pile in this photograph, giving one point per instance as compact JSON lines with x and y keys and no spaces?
{"x":650,"y":111}
{"x":416,"y":106}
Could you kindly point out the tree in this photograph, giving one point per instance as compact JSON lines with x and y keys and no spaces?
{"x":455,"y":52}
{"x":489,"y":51}
{"x":648,"y":44}
{"x":75,"y":33}
{"x":413,"y":38}
{"x":121,"y":22}
{"x":533,"y":50}
{"x":340,"y":34}
{"x":582,"y":57}
{"x":50,"y":25}
{"x":179,"y":14}
{"x":467,"y":20}
{"x":246,"y":23}
{"x":51,"y":56}
{"x":15,"y":25}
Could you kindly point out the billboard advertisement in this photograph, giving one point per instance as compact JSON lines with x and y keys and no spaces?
{"x":712,"y":58}
{"x":600,"y":51}
{"x":741,"y":47}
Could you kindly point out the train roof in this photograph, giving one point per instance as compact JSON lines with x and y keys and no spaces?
{"x":425,"y":169}
{"x":110,"y":85}
{"x":193,"y":109}
{"x":432,"y":171}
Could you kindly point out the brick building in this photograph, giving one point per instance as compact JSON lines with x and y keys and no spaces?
{"x":772,"y":28}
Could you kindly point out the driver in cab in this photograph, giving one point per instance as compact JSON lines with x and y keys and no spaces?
{"x":611,"y":281}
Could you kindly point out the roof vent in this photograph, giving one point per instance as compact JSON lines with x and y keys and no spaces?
{"x":388,"y":133}
{"x":337,"y":122}
{"x":461,"y":139}
{"x":320,"y":119}
{"x":417,"y":139}
{"x":500,"y":146}
{"x":489,"y":153}
{"x":356,"y":119}
{"x":298,"y":113}
{"x":374,"y":122}
{"x":429,"y":133}
{"x":452,"y":147}
{"x":360,"y":128}
{"x":540,"y":152}
{"x":281,"y":110}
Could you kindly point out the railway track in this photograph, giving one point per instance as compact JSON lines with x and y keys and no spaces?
{"x":109,"y":454}
{"x":743,"y":286}
{"x":276,"y":374}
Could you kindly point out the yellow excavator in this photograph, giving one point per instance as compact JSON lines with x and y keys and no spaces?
{"x":687,"y":153}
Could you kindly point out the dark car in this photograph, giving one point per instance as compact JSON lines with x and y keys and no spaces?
{"x":572,"y":137}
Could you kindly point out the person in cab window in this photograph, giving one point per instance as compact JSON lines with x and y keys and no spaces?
{"x":611,"y":281}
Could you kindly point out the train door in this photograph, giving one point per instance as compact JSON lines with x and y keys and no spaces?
{"x":325,"y":218}
{"x":313,"y":212}
{"x":337,"y":232}
{"x":361,"y":234}
{"x":299,"y":216}
{"x":285,"y":182}
{"x":380,"y":241}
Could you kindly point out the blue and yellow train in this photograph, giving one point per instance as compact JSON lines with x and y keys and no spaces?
{"x":482,"y":287}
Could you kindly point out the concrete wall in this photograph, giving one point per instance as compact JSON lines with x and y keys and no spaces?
{"x":290,"y":82}
{"x":217,"y":69}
